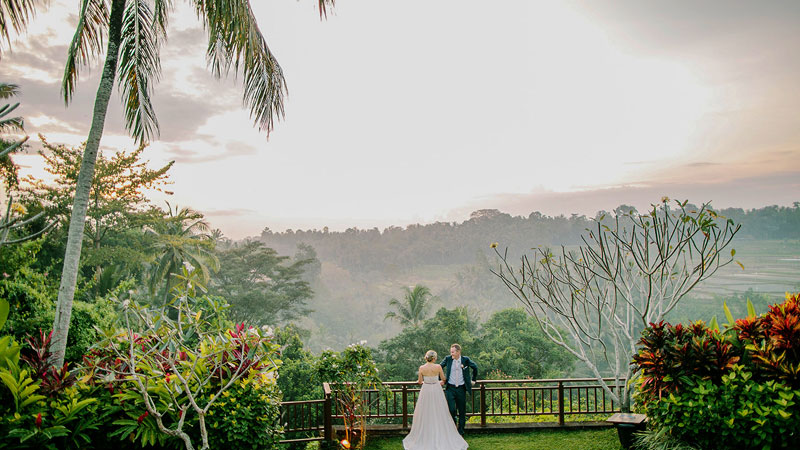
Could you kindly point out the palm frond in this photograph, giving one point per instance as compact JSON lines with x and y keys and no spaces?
{"x":87,"y":43}
{"x":139,"y":65}
{"x":12,"y":123}
{"x":161,"y":10}
{"x":323,"y":8}
{"x":8,"y":90}
{"x":12,"y":147}
{"x":15,"y":14}
{"x":236,"y":43}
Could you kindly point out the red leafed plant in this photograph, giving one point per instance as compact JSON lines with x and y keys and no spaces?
{"x":768,"y":345}
{"x":51,"y":379}
{"x":238,"y":359}
{"x":772,"y":341}
{"x":670,"y":354}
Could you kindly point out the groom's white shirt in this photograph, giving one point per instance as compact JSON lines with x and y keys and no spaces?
{"x":456,"y":373}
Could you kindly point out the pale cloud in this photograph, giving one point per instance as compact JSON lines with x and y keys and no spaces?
{"x":751,"y":192}
{"x":426,"y":112}
{"x":52,"y":124}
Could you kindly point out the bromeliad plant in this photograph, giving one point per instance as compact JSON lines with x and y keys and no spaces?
{"x":177,"y":369}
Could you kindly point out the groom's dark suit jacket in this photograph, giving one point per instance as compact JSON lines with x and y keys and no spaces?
{"x":466,"y":364}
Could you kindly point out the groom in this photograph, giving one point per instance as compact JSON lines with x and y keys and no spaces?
{"x":459,"y":384}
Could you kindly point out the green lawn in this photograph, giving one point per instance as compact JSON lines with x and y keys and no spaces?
{"x":602,"y":439}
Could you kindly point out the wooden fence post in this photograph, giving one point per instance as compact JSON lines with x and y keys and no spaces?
{"x":327,"y":413}
{"x":561,"y":403}
{"x":405,"y":407}
{"x":483,"y":404}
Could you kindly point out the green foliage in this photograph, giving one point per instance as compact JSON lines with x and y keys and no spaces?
{"x":63,"y":421}
{"x":512,"y":342}
{"x":351,"y":372}
{"x":20,"y":385}
{"x":509,"y":344}
{"x":670,"y":356}
{"x":772,"y":341}
{"x":31,"y":297}
{"x":86,"y":319}
{"x":413,"y":309}
{"x":118,"y":208}
{"x":724,"y":390}
{"x":262,"y":286}
{"x":3,"y":312}
{"x":353,"y":366}
{"x":133,"y":422}
{"x":298,"y":378}
{"x":180,"y":239}
{"x":736,"y":412}
{"x":401,"y":355}
{"x":659,"y":439}
{"x":183,"y":369}
{"x":29,"y":293}
{"x":247,"y":416}
{"x":174,"y":371}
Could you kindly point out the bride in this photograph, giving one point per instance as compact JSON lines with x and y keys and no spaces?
{"x":432,"y":427}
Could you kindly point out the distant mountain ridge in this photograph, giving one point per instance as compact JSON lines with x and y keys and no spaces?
{"x":445,"y":243}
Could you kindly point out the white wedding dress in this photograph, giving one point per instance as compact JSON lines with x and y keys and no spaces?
{"x":432,"y":427}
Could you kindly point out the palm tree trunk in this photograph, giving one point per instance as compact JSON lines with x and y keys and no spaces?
{"x":72,"y":255}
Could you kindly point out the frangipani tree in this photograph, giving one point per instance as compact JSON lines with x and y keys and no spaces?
{"x":631,"y":270}
{"x":135,"y":31}
{"x":180,"y":368}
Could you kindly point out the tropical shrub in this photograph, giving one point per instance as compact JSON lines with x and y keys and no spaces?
{"x":352,"y":372}
{"x":672,"y":355}
{"x":772,"y":341}
{"x":194,"y":381}
{"x":42,"y":407}
{"x":247,"y":416}
{"x":737,"y":412}
{"x":174,"y":370}
{"x":31,"y":297}
{"x":298,"y":378}
{"x":732,"y":389}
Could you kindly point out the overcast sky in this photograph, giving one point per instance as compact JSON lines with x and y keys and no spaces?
{"x":418,"y":111}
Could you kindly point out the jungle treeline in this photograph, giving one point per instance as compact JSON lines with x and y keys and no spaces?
{"x":446,"y":243}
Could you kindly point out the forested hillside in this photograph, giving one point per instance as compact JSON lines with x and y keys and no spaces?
{"x":361,"y":270}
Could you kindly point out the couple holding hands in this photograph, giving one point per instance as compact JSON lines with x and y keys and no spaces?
{"x":439,"y":417}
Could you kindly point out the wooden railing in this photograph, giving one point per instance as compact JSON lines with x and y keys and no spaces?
{"x":392,"y":408}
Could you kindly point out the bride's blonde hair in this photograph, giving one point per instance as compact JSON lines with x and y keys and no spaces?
{"x":431,"y":356}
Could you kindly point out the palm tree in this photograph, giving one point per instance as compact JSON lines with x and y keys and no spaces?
{"x":414,"y":307}
{"x":10,"y":124}
{"x":12,"y":215}
{"x":15,"y":14}
{"x":181,"y":239}
{"x":136,"y":29}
